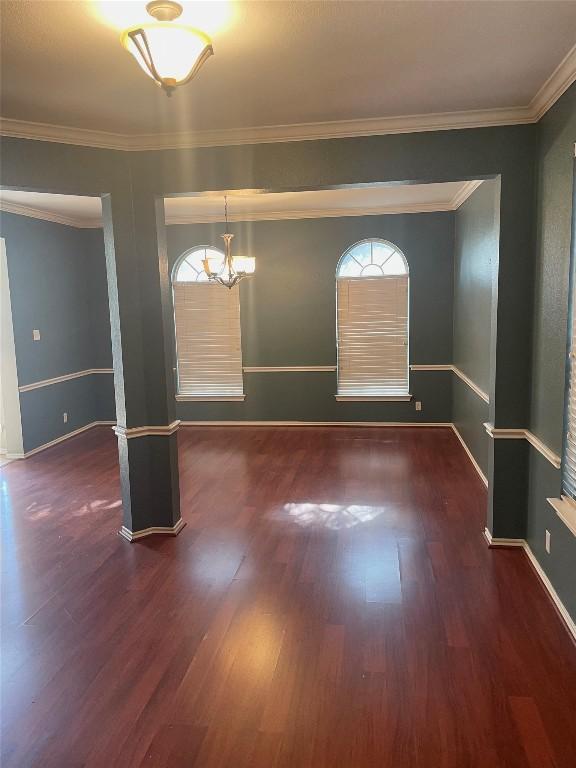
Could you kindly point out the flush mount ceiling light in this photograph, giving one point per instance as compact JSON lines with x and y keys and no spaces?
{"x":233,"y":268}
{"x":169,"y":53}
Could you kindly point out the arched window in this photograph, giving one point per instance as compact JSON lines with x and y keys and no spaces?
{"x":208,"y":341}
{"x":372,"y":322}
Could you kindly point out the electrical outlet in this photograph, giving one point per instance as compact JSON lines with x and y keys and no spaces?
{"x":418,"y":405}
{"x":65,"y":416}
{"x":36,"y":335}
{"x":548,"y":537}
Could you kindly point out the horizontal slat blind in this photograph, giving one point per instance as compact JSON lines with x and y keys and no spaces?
{"x":569,"y":465}
{"x":373,"y":336}
{"x":208,"y":340}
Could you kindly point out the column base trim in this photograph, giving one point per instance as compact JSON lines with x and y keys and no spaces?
{"x":131,"y":432}
{"x":494,"y":543}
{"x":129,"y":535}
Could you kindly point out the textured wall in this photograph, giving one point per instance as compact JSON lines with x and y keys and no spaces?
{"x":288,"y":313}
{"x":554,"y":226}
{"x":476,"y":243}
{"x":58,"y":285}
{"x":469,"y":414}
{"x":475,"y":264}
{"x":553,"y":234}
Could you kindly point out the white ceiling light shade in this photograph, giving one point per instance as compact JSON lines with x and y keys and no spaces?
{"x":169,"y":53}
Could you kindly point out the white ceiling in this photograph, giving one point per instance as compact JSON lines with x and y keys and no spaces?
{"x":280,"y":63}
{"x":248,"y":206}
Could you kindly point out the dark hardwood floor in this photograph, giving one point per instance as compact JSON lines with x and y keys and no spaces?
{"x":332,"y":603}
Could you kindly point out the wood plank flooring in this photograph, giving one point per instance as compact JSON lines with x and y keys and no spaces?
{"x":331,"y":604}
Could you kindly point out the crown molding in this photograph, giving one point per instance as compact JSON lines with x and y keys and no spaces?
{"x":287,"y":215}
{"x":57,"y":218}
{"x":61,"y":134}
{"x":268,"y":134}
{"x":467,"y":189}
{"x":558,"y":82}
{"x":319,"y":213}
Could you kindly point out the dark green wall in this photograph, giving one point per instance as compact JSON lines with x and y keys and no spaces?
{"x":476,"y":235}
{"x":553,"y":234}
{"x":476,"y":243}
{"x":57,"y":283}
{"x":469,"y":414}
{"x":554,"y":231}
{"x":288,"y":313}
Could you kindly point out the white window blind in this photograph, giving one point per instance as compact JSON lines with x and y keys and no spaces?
{"x":569,"y":463}
{"x":208,"y":341}
{"x":373,"y":336}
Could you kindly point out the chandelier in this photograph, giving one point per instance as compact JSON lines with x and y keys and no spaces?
{"x":233,"y":268}
{"x":169,"y":53}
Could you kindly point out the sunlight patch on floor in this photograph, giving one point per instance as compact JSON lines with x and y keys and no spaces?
{"x":333,"y":516}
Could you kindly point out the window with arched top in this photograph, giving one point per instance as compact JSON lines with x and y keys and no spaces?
{"x":372,"y":282}
{"x":190,"y":266}
{"x":207,"y":325}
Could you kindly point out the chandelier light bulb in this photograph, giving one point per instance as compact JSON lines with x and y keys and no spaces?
{"x":233,"y":268}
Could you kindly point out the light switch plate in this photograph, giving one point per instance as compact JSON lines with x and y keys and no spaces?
{"x":548,"y":537}
{"x":418,"y":405}
{"x":36,"y":335}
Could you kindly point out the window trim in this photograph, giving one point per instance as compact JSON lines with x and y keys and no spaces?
{"x":200,"y":398}
{"x":396,"y":397}
{"x":374,"y":398}
{"x":184,"y":256}
{"x":211,"y":398}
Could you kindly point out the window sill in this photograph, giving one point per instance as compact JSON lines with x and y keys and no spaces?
{"x":210,"y":399}
{"x":374,"y":398}
{"x":566,"y":511}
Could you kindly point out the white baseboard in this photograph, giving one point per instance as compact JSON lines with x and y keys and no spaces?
{"x":129,"y":535}
{"x":238,"y":424}
{"x":242,"y":423}
{"x":61,"y":439}
{"x":547,"y":584}
{"x":470,"y":456}
{"x":551,"y":591}
{"x":500,"y":542}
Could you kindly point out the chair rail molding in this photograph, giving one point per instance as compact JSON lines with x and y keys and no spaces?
{"x":461,"y":375}
{"x":65,"y":377}
{"x":498,"y":433}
